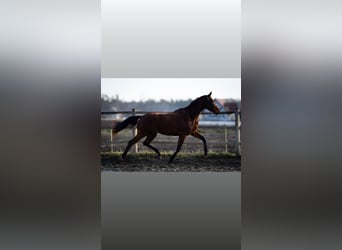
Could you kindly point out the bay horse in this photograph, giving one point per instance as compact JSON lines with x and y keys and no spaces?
{"x":182,"y":122}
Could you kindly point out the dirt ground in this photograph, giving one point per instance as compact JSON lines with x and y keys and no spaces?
{"x":147,"y":162}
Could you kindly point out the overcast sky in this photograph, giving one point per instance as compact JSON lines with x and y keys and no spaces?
{"x":137,"y":89}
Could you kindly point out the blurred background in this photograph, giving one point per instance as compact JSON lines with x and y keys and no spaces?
{"x":51,"y":103}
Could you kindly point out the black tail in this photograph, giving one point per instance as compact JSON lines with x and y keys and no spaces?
{"x":130,"y":121}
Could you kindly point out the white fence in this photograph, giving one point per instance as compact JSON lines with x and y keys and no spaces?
{"x":107,"y":120}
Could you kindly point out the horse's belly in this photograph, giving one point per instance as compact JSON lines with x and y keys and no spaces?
{"x":166,"y":124}
{"x":168,"y":132}
{"x":178,"y":128}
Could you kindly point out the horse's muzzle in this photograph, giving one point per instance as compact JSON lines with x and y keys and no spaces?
{"x":216,"y":110}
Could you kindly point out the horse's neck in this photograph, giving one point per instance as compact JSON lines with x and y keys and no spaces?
{"x":194,"y":109}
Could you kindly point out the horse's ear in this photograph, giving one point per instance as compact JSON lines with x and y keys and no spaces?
{"x":209,"y":94}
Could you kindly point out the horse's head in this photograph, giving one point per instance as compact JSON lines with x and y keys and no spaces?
{"x":210,"y":105}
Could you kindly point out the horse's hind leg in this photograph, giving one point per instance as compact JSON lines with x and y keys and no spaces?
{"x":148,"y":140}
{"x":201,"y":137}
{"x":132,"y":142}
{"x":181,"y":139}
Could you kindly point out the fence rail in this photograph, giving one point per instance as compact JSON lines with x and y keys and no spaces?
{"x":236,"y":126}
{"x":144,"y":112}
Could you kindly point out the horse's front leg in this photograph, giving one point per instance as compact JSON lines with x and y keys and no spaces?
{"x":201,"y":137}
{"x":181,"y":139}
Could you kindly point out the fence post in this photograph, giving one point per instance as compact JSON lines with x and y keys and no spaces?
{"x":111,"y":140}
{"x":134,"y":131}
{"x":226,"y":138}
{"x":237,"y":132}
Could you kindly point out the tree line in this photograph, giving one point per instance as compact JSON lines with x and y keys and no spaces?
{"x":115,"y":104}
